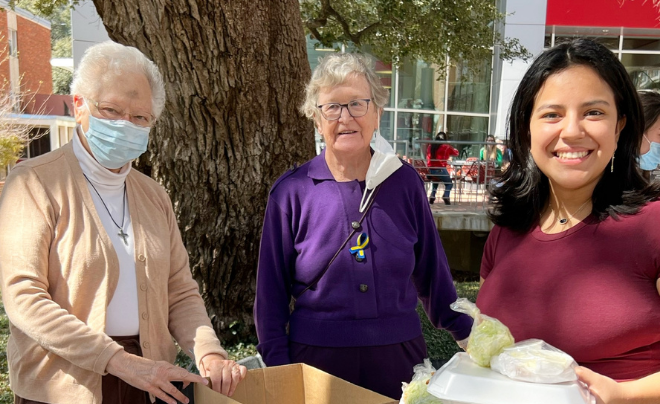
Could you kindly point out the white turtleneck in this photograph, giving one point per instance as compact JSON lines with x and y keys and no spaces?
{"x":122,"y":317}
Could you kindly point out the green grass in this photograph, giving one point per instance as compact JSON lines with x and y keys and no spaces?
{"x":441,"y":346}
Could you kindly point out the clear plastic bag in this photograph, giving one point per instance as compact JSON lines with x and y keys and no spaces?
{"x":488,"y":337}
{"x":415,"y":391}
{"x":535,"y":361}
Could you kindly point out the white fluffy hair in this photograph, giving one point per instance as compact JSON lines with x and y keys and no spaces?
{"x":335,"y":69}
{"x":107,"y":61}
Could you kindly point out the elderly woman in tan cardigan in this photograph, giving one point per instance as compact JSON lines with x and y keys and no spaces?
{"x":95,"y":278}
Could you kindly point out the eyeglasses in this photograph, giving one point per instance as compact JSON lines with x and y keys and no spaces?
{"x":114,"y":112}
{"x":356,"y":108}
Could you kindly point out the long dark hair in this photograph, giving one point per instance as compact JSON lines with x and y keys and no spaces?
{"x":524,"y":190}
{"x":651,"y":107}
{"x":434,"y":147}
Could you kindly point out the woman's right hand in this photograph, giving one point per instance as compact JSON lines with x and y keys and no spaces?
{"x":154,"y":377}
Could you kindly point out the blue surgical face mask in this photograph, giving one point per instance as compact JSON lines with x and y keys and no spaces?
{"x":115,"y":143}
{"x":650,"y":160}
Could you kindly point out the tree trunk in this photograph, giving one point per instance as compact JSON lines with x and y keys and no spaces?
{"x":234,"y":75}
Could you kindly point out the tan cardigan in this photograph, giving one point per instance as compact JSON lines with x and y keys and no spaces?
{"x":59,"y":271}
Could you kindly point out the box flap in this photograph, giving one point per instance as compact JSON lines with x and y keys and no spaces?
{"x":323,"y":388}
{"x":292,"y":384}
{"x":274,"y":385}
{"x":204,"y":395}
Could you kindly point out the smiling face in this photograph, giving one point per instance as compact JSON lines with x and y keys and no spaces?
{"x":574,"y":128}
{"x":348,"y":136}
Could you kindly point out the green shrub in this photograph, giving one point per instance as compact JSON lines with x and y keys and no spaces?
{"x":440,"y":344}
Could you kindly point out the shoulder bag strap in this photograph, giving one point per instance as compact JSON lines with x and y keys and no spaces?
{"x":320,"y":275}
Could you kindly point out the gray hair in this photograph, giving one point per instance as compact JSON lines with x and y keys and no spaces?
{"x":112,"y":59}
{"x":335,"y":69}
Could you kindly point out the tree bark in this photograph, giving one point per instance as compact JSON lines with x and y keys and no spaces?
{"x":234,"y":76}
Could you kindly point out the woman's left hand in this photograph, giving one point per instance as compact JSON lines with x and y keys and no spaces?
{"x":606,"y":390}
{"x":225,"y":374}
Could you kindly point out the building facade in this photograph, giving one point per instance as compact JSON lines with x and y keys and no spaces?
{"x":470,"y":106}
{"x":26,"y":82}
{"x":24,"y":52}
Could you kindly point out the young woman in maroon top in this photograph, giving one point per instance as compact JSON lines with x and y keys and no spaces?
{"x":574,"y":258}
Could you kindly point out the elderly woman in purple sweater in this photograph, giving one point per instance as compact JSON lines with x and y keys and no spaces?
{"x":350,"y":236}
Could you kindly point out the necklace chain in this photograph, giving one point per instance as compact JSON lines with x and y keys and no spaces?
{"x":121,"y":233}
{"x":563,"y":221}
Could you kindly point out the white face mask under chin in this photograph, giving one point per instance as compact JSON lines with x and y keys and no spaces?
{"x":384,"y":163}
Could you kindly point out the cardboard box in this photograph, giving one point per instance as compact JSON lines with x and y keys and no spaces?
{"x":292,"y":384}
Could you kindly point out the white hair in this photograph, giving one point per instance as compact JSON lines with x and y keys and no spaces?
{"x":335,"y":69}
{"x":108,"y":61}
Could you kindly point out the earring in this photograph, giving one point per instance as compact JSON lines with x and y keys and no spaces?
{"x":612,"y":165}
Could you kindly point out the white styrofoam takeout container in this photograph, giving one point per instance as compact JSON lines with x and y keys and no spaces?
{"x":461,"y":381}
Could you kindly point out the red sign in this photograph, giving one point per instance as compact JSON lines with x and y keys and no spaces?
{"x":603,"y":13}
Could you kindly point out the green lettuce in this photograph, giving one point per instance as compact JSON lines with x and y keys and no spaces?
{"x":489,"y":336}
{"x":488,"y":339}
{"x":415,"y":393}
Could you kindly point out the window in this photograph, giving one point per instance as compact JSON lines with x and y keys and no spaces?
{"x":417,"y":126}
{"x":610,"y":42}
{"x":419,"y":87}
{"x":467,"y":128}
{"x":645,"y":44}
{"x":425,"y":100}
{"x":644,"y":69}
{"x":13,"y":44}
{"x":386,"y":74}
{"x":469,"y":91}
{"x":39,"y":143}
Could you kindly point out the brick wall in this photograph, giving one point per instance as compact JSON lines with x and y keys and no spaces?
{"x":4,"y":50}
{"x":34,"y":57}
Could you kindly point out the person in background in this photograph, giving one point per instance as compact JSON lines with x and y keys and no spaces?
{"x":490,"y":152}
{"x":437,"y":156}
{"x":649,"y":151}
{"x":95,"y":278}
{"x":351,"y":237}
{"x":506,"y":154}
{"x":573,"y":258}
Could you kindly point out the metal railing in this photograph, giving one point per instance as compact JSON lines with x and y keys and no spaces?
{"x":470,"y":176}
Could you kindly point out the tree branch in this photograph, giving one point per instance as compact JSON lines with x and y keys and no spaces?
{"x":328,"y":11}
{"x":369,"y":30}
{"x":316,"y":23}
{"x":316,"y":34}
